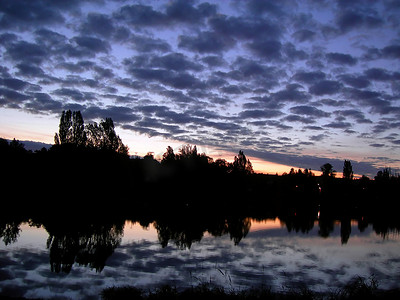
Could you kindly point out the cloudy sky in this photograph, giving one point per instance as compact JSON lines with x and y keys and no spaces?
{"x":297,"y":83}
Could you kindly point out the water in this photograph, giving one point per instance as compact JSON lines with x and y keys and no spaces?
{"x":79,"y":261}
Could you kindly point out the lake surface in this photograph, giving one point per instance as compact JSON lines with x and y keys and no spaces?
{"x":42,"y":260}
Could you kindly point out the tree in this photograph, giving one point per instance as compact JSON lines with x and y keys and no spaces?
{"x":168,"y":156}
{"x":109,"y":140}
{"x":347,"y":170}
{"x":188,"y":151}
{"x":94,"y":135}
{"x":78,"y":136}
{"x":17,"y":147}
{"x":71,"y":129}
{"x":64,"y":129}
{"x":242,"y":165}
{"x":384,"y":175}
{"x":327,"y":170}
{"x":103,"y":136}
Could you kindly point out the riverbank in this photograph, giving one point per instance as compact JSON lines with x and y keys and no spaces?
{"x":358,"y":288}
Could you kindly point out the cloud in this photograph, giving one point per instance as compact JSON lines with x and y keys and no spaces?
{"x":358,"y":116}
{"x":339,"y":125}
{"x":14,"y":83}
{"x":392,"y":51}
{"x":98,"y":24}
{"x":206,"y":42}
{"x":352,"y":19}
{"x":140,"y":15}
{"x":245,"y":28}
{"x":119,"y":114}
{"x":355,"y":81}
{"x":318,"y":137}
{"x":50,"y":39}
{"x":29,"y":70}
{"x":91,"y":44}
{"x":42,"y":102}
{"x":309,"y":111}
{"x":260,"y":114}
{"x":25,"y":13}
{"x":73,"y":94}
{"x":149,"y":44}
{"x":25,"y":51}
{"x":379,"y":74}
{"x":341,"y":59}
{"x":325,"y":87}
{"x":183,"y":11}
{"x":309,"y":77}
{"x":290,"y":94}
{"x":176,"y":12}
{"x":8,"y":96}
{"x":387,"y":52}
{"x":175,"y":61}
{"x":304,"y":35}
{"x":296,"y":118}
{"x":267,"y":49}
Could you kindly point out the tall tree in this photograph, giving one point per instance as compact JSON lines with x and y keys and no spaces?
{"x":64,"y":129}
{"x":103,"y":136}
{"x":78,"y":136}
{"x":71,"y":129}
{"x":347,"y":170}
{"x":110,"y":140}
{"x":241,"y":164}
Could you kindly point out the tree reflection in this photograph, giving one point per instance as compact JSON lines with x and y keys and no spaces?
{"x":9,"y":231}
{"x":88,"y":244}
{"x":187,"y":230}
{"x":90,"y":241}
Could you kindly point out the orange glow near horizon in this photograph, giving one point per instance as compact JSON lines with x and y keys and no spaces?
{"x":265,"y":224}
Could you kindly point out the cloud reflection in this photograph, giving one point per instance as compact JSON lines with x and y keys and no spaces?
{"x":272,"y":257}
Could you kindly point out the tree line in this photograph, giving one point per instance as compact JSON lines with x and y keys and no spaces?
{"x":90,"y":162}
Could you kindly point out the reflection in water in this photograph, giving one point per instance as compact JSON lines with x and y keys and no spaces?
{"x":9,"y":232}
{"x":89,"y":246}
{"x":92,"y":243}
{"x":234,"y":252}
{"x":183,"y":232}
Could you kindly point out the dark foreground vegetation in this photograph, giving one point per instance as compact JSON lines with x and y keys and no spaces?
{"x":358,"y":288}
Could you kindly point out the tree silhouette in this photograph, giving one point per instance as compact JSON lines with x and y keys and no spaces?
{"x":110,"y":140}
{"x":17,"y":147}
{"x":242,"y":165}
{"x":168,"y":156}
{"x":327,"y":170}
{"x":347,"y":170}
{"x":188,"y":151}
{"x":71,"y":129}
{"x":64,"y":129}
{"x":102,"y":137}
{"x":78,"y":136}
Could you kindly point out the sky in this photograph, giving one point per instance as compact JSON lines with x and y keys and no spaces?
{"x":291,"y":83}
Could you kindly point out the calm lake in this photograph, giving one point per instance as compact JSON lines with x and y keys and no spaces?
{"x":43,"y":260}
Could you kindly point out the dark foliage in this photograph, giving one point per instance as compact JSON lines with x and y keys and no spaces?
{"x":358,"y":288}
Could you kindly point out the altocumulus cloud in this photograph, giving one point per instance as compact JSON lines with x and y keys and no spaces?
{"x":274,"y":78}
